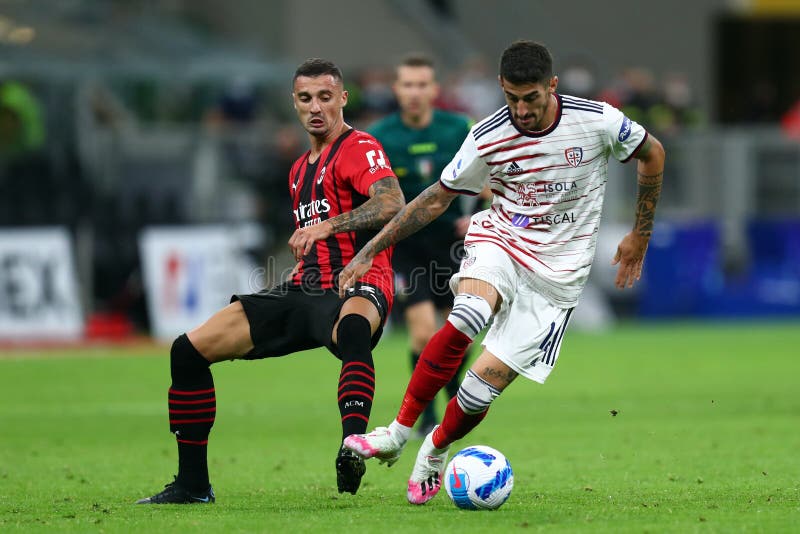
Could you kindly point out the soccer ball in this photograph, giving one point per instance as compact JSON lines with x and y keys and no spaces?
{"x":478,"y":478}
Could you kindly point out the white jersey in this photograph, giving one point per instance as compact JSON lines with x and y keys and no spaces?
{"x":548,"y":188}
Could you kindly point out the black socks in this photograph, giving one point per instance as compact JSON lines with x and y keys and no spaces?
{"x":192,"y":409}
{"x":357,"y":378}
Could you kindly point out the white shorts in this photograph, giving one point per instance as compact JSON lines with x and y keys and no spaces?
{"x":526,"y":332}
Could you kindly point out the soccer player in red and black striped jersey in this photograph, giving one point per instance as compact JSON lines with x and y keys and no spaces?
{"x":342,"y":191}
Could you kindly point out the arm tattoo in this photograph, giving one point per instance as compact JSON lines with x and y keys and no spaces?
{"x":414,"y":216}
{"x":386,"y":199}
{"x":646,"y":200}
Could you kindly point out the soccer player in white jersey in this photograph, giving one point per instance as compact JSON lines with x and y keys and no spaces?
{"x":545,"y":157}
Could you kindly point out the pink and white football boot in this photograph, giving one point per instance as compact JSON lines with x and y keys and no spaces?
{"x":427,"y":475}
{"x":382,"y":443}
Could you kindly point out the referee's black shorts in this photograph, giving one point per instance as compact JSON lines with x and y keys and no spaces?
{"x":423,"y":269}
{"x":289,"y":318}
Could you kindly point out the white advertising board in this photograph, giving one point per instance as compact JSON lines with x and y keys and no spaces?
{"x":38,"y":285}
{"x":189,"y":274}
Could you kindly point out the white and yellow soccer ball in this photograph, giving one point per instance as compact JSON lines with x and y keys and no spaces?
{"x":479,"y":478}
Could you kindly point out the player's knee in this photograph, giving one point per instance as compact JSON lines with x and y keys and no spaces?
{"x":353,"y":333}
{"x":475,"y":394}
{"x":185,"y":360}
{"x":421,"y":323}
{"x":470,"y":314}
{"x":421,"y":336}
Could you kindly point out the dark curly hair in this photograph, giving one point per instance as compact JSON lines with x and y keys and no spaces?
{"x":317,"y":67}
{"x":526,"y":62}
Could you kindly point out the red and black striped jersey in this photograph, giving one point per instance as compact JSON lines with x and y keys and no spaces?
{"x":338,"y":182}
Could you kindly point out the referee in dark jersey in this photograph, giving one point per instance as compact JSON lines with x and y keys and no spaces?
{"x":420,"y":140}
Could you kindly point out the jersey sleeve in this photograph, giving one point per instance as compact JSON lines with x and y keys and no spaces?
{"x":467,"y":172}
{"x":365,"y":163}
{"x":625,"y":136}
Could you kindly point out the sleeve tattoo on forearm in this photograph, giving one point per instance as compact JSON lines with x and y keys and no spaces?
{"x":413,"y":217}
{"x":385,"y":202}
{"x":647,"y":198}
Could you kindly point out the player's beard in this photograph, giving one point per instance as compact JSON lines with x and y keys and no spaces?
{"x":545,"y":113}
{"x":539,"y":124}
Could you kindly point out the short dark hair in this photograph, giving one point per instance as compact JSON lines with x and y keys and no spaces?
{"x":315,"y":66}
{"x":526,"y":62}
{"x":416,"y":60}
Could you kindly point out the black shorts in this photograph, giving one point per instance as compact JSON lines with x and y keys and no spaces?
{"x":289,"y":318}
{"x":423,"y":271}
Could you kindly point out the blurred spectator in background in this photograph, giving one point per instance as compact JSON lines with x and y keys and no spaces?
{"x":21,"y":126}
{"x":24,"y":171}
{"x":238,"y":104}
{"x":639,"y":93}
{"x":578,"y":79}
{"x":614,"y":93}
{"x":233,"y":120}
{"x":669,"y":107}
{"x":272,"y":189}
{"x":680,"y":109}
{"x":239,"y":146}
{"x":375,"y":96}
{"x":475,"y":89}
{"x":790,"y":121}
{"x":420,"y":140}
{"x":101,"y":117}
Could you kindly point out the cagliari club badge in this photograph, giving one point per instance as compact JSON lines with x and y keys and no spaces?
{"x":574,"y":155}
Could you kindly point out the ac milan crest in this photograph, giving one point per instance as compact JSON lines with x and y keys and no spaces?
{"x":574,"y":155}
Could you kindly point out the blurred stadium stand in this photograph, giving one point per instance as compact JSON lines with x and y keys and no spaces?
{"x":154,"y":113}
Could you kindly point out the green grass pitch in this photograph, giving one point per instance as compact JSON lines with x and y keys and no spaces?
{"x":706,"y":438}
